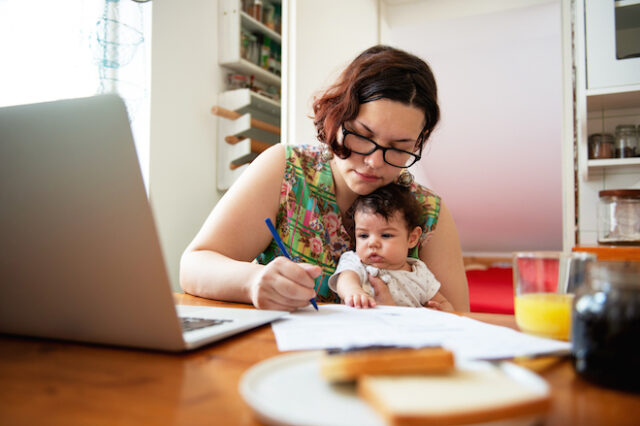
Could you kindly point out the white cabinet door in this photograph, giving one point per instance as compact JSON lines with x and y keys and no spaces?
{"x":604,"y":69}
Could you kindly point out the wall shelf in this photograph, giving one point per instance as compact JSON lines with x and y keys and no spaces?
{"x":244,"y":100}
{"x":615,"y":97}
{"x":248,"y":22}
{"x":613,"y":162}
{"x":625,"y":3}
{"x":243,"y":66}
{"x":248,"y":123}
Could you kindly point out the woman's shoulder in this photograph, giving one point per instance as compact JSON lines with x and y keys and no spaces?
{"x":304,"y":152}
{"x":431,"y":204}
{"x":430,"y":201}
{"x":305,"y":163}
{"x":423,"y":193}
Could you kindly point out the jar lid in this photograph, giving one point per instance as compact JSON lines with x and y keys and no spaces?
{"x":625,"y":193}
{"x":625,"y":128}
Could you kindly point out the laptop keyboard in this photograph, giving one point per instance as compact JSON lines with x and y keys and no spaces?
{"x":191,"y":323}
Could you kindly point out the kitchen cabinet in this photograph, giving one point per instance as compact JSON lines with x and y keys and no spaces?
{"x":612,"y":35}
{"x":606,"y":93}
{"x":248,"y":117}
{"x":612,"y":45}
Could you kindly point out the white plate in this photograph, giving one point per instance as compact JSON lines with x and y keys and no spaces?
{"x":289,"y":390}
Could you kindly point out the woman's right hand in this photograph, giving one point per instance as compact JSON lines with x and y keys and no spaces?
{"x":284,"y":285}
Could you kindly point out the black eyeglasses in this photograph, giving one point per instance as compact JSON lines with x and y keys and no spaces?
{"x":365,"y":146}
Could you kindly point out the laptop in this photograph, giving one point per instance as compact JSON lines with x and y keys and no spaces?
{"x":80,"y":257}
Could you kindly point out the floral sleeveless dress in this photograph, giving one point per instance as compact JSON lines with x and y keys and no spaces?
{"x":310,"y":223}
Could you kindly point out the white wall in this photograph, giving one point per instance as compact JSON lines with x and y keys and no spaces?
{"x":496,"y":155}
{"x":184,"y":85}
{"x":325,"y":36}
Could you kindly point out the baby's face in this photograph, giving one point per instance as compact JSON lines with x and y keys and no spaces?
{"x":381,"y":243}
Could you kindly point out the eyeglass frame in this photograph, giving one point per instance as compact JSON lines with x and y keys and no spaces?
{"x":416,"y":157}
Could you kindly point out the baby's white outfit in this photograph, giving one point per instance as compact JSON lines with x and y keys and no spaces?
{"x":408,"y":288}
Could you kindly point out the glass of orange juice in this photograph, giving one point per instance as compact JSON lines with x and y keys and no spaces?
{"x":544,"y":282}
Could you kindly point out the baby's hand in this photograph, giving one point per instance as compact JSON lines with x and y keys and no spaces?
{"x":359,"y":299}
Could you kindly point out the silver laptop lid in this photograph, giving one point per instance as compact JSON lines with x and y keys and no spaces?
{"x":80,"y":257}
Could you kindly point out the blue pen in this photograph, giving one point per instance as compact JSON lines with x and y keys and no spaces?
{"x":283,"y":249}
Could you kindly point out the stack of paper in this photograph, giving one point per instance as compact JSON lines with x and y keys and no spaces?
{"x":340,"y":326}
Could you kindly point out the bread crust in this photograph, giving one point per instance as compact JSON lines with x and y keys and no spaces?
{"x":349,"y":366}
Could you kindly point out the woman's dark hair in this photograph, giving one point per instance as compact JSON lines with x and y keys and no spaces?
{"x":389,"y":199}
{"x":380,"y":72}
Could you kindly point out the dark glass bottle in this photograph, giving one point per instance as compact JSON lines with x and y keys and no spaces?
{"x":606,"y":326}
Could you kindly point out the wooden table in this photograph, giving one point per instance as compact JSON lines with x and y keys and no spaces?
{"x":59,"y":383}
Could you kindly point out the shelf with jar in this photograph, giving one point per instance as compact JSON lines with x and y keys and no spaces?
{"x":249,"y":110}
{"x":619,"y":150}
{"x":612,"y":83}
{"x":615,"y":149}
{"x":248,"y":45}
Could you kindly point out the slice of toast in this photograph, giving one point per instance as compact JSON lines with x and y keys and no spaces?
{"x":351,"y":364}
{"x":461,"y":397}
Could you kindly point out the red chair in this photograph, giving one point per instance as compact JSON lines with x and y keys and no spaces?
{"x":491,"y":290}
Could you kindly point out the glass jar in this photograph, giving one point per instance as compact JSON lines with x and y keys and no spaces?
{"x":237,"y":81}
{"x":626,"y":141}
{"x":253,"y":50}
{"x":244,"y":43}
{"x":255,"y":10}
{"x":601,"y":145}
{"x":619,"y":217}
{"x":606,"y":325}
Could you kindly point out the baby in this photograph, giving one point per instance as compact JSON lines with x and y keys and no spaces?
{"x":386,"y":228}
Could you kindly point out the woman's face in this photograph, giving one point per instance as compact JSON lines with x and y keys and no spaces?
{"x":389,"y":124}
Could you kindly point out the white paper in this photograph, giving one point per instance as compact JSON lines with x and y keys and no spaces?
{"x":339,"y":326}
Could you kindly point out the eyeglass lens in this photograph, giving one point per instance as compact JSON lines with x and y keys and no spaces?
{"x":363,"y":146}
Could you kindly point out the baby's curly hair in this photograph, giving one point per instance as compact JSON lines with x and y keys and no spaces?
{"x":389,"y":199}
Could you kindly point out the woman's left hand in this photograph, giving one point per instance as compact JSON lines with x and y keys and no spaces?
{"x":382,"y":294}
{"x":440,"y":303}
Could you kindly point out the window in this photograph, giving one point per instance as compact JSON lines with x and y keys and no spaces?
{"x":75,"y":48}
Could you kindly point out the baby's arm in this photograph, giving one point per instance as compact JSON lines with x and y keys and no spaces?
{"x":439,"y":302}
{"x":351,"y":292}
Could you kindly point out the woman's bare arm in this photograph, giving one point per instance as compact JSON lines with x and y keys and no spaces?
{"x":443,"y":257}
{"x":217,"y":263}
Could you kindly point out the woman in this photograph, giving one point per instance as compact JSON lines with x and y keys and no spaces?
{"x":371,"y":123}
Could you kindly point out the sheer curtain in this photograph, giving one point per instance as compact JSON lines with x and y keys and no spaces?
{"x":73,"y":48}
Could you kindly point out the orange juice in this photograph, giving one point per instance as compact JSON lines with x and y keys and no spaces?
{"x":544,"y":314}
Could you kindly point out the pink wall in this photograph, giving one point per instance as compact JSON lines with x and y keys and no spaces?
{"x":495,"y":158}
